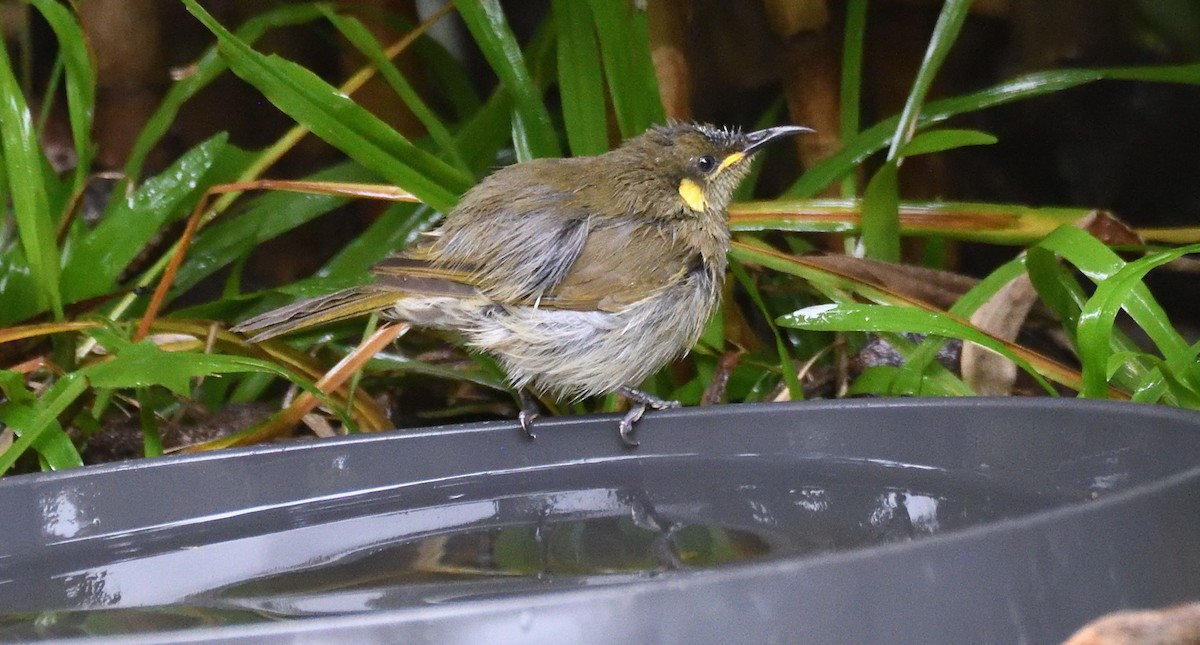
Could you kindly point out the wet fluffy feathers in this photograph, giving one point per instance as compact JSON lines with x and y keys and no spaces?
{"x":581,"y":275}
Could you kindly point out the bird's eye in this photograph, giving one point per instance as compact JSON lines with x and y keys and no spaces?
{"x":706,"y":163}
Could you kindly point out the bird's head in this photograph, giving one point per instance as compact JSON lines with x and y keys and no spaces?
{"x":703,"y":164}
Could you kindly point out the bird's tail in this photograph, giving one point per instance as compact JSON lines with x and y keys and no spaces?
{"x":340,"y":305}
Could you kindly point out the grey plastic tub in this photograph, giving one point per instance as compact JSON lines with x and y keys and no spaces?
{"x":882,"y":521}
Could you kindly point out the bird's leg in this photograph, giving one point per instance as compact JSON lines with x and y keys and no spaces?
{"x":530,"y":410}
{"x":646,"y":516}
{"x":651,"y":401}
{"x":626,"y":426}
{"x":640,"y":401}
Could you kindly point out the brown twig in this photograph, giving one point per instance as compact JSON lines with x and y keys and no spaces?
{"x":335,"y":378}
{"x":193,"y":224}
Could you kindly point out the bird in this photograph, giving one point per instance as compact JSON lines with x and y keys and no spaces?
{"x":581,"y":275}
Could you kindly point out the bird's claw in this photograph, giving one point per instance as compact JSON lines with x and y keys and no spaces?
{"x":641,"y":402}
{"x":529,"y":412}
{"x":626,"y":425}
{"x":526,"y":418}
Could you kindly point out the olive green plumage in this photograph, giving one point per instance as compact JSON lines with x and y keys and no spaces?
{"x":582,"y":276}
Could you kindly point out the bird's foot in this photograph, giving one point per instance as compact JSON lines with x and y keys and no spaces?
{"x":530,"y":410}
{"x":626,"y":425}
{"x":641,"y":401}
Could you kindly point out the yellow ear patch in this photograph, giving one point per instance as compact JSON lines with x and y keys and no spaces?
{"x":693,"y":195}
{"x":730,"y":160}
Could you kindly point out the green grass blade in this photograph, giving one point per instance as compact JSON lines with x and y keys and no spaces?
{"x":790,"y":377}
{"x":5,"y":240}
{"x":1151,"y":389}
{"x":451,"y":76}
{"x":820,"y":277}
{"x":361,"y":38}
{"x":338,"y":120}
{"x":485,"y":133}
{"x":395,"y":229}
{"x":943,"y":140}
{"x":487,"y":24}
{"x":16,"y":283}
{"x":1099,"y":315}
{"x":365,"y":138}
{"x":839,"y":288}
{"x":522,"y":145}
{"x":34,"y":425}
{"x":881,"y":214}
{"x":881,"y":201}
{"x":945,"y":32}
{"x":388,"y":361}
{"x":265,"y":217}
{"x":489,"y":129}
{"x":12,"y":385}
{"x":51,"y":443}
{"x":1009,"y":224}
{"x":887,"y":380}
{"x":624,"y":36}
{"x":80,"y":81}
{"x":965,"y":307}
{"x":151,"y":437}
{"x":1100,"y":263}
{"x":49,"y":94}
{"x":982,"y":292}
{"x":205,"y":71}
{"x":886,"y":318}
{"x":851,"y":88}
{"x":28,"y":189}
{"x":144,"y":364}
{"x":580,"y":81}
{"x":930,"y":379}
{"x":1057,"y":286}
{"x":1028,"y":86}
{"x":1182,"y":386}
{"x":95,"y":263}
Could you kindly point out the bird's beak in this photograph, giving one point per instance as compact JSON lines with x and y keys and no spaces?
{"x":759,"y":138}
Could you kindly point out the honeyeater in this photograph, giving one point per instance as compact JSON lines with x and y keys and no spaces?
{"x":582,"y":276}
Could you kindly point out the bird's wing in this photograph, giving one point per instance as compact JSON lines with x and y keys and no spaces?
{"x":621,"y":264}
{"x":516,"y":239}
{"x":417,"y":276}
{"x":513,"y":258}
{"x":520,"y":243}
{"x":618,"y":264}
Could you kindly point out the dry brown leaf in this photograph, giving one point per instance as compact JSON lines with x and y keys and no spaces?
{"x":1108,"y":228}
{"x":7,"y":436}
{"x":983,"y":370}
{"x":319,"y":425}
{"x":932,"y":286}
{"x":1172,"y":626}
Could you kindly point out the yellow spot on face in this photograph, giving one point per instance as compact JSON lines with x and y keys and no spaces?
{"x":730,"y":160}
{"x":693,"y":195}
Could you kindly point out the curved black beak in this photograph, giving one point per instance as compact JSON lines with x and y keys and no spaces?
{"x":760,"y":138}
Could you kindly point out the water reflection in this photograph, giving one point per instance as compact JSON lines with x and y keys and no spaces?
{"x":904,"y":515}
{"x":476,"y":537}
{"x":64,"y":513}
{"x":815,"y":500}
{"x":90,"y":589}
{"x":553,"y":549}
{"x":78,"y":624}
